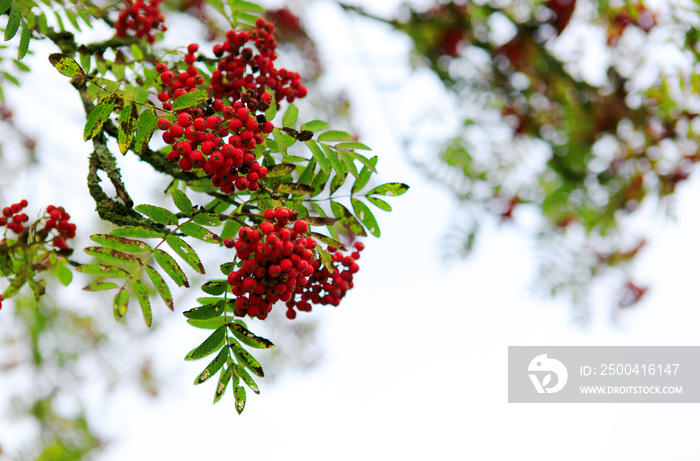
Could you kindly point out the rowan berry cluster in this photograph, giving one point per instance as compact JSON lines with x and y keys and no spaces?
{"x":1,"y":298}
{"x":277,"y":256}
{"x":327,"y":287}
{"x":56,"y":223}
{"x":12,"y":218}
{"x":239,"y":86}
{"x":145,"y":19}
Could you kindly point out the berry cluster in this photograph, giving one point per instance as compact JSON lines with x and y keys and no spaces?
{"x":326,"y":287}
{"x":56,"y":224}
{"x":221,"y":137}
{"x":144,"y":19}
{"x":12,"y":218}
{"x":277,"y":258}
{"x":58,"y":221}
{"x":1,"y":301}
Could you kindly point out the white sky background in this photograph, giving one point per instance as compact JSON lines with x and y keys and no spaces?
{"x":416,"y":355}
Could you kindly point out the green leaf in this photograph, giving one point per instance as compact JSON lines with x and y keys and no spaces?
{"x":127,"y":124}
{"x":351,"y":145}
{"x":158,"y":214}
{"x":308,"y":174}
{"x":98,"y":116}
{"x":141,"y":293}
{"x":243,"y":5}
{"x":319,"y":182}
{"x":240,"y":331}
{"x":6,"y":265}
{"x":328,"y":241}
{"x":365,"y":174}
{"x":294,"y":189}
{"x":289,"y":119}
{"x":245,"y":377}
{"x":63,"y":274}
{"x":206,"y":219}
{"x":334,"y":135}
{"x":314,"y":126}
{"x":121,"y":243}
{"x":247,"y":360}
{"x":347,"y":223}
{"x":272,"y":111}
{"x":281,"y":169}
{"x":283,"y":141}
{"x":145,"y":127}
{"x":211,"y":344}
{"x":213,"y":367}
{"x":379,"y":203}
{"x":100,"y":286}
{"x":13,"y":21}
{"x":199,"y":232}
{"x":182,"y":202}
{"x":38,"y":289}
{"x":24,"y":41}
{"x":335,"y":160}
{"x":205,"y":312}
{"x":111,"y":255}
{"x":320,"y":220}
{"x":171,"y":267}
{"x":185,"y":252}
{"x":121,"y":303}
{"x":161,"y":286}
{"x":336,"y":183}
{"x":368,"y":163}
{"x":227,"y":268}
{"x":136,"y":52}
{"x":190,"y":99}
{"x":16,"y":284}
{"x":325,"y":257}
{"x":349,"y":162}
{"x":390,"y":189}
{"x":331,"y":229}
{"x":230,"y":229}
{"x":210,"y":324}
{"x":102,"y":270}
{"x":136,"y":231}
{"x":4,"y":6}
{"x":215,"y":287}
{"x":320,"y":157}
{"x":239,"y":394}
{"x":223,"y":383}
{"x":366,"y":216}
{"x":21,"y":66}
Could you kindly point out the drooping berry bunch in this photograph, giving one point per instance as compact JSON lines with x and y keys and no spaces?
{"x":326,"y":287}
{"x":12,"y":218}
{"x":278,"y":257}
{"x":56,"y":223}
{"x":145,"y":19}
{"x":221,"y":137}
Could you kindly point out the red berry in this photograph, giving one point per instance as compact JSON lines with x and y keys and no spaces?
{"x":301,"y":227}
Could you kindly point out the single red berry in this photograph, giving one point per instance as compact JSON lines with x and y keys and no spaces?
{"x":301,"y":227}
{"x":184,"y":120}
{"x":163,"y":124}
